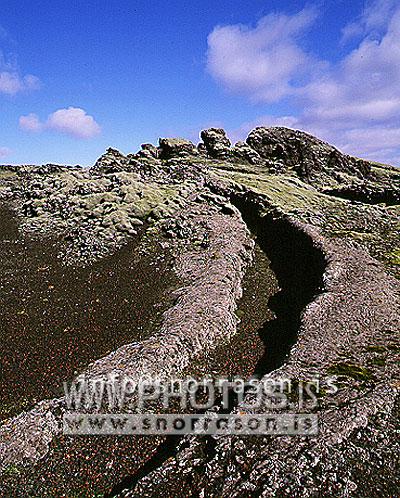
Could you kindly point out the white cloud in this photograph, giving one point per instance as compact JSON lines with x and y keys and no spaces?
{"x":30,"y":123}
{"x":373,"y":18}
{"x":355,"y":103}
{"x":4,"y":152}
{"x":72,"y":121}
{"x":241,"y":133}
{"x":265,"y":61}
{"x":12,"y":81}
{"x":365,"y":84}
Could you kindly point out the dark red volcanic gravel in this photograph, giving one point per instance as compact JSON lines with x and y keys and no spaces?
{"x":80,"y":466}
{"x":56,"y":319}
{"x":241,"y":355}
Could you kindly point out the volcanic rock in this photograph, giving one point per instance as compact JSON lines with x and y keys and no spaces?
{"x":176,"y":147}
{"x":308,"y":156}
{"x":216,"y":142}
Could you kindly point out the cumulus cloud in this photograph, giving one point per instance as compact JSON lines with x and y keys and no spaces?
{"x":72,"y":121}
{"x":264,"y":61}
{"x":373,"y":18}
{"x":12,"y":81}
{"x":31,"y":123}
{"x":4,"y":152}
{"x":354,"y":102}
{"x":365,"y":84}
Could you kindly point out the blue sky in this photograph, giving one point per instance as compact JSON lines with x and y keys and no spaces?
{"x":79,"y":76}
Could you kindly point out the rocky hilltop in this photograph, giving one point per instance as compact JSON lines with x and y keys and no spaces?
{"x":279,"y":256}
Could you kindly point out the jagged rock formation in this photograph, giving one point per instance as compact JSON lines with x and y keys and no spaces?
{"x":306,"y":155}
{"x":172,"y":147}
{"x":216,"y":143}
{"x":328,"y":223}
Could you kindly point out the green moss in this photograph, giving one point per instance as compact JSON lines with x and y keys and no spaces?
{"x":394,"y":257}
{"x":11,"y":470}
{"x":378,"y":361}
{"x":6,"y":174}
{"x":376,"y":349}
{"x":239,"y":313}
{"x":288,"y":193}
{"x":356,"y":372}
{"x":6,"y":409}
{"x":152,"y":199}
{"x":386,"y":170}
{"x":355,"y":235}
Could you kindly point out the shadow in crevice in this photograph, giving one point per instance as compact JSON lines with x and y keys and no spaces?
{"x":165,"y":450}
{"x":389,"y":197}
{"x":299,"y":267}
{"x":168,"y":449}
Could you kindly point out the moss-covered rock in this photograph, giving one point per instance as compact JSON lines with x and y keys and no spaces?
{"x":356,"y":372}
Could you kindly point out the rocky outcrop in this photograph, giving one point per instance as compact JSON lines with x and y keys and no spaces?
{"x":243,"y":152}
{"x":173,"y":147}
{"x":216,"y":142}
{"x":306,"y":155}
{"x":388,"y":195}
{"x":149,"y":151}
{"x":111,"y":161}
{"x":95,"y":211}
